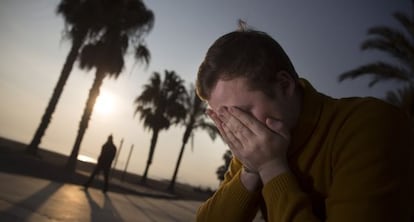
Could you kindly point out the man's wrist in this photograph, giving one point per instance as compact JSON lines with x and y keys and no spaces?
{"x":271,"y":170}
{"x":250,"y":180}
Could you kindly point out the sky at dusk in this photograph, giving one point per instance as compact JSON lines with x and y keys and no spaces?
{"x":322,"y":38}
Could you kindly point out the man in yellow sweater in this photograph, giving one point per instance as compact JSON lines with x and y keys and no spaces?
{"x":300,"y":155}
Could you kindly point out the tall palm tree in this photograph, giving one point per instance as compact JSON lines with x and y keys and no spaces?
{"x":126,"y":24}
{"x":83,"y":21}
{"x":195,"y":119}
{"x":400,"y":45}
{"x":160,"y":105}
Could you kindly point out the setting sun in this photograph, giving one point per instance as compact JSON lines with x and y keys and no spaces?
{"x":105,"y":103}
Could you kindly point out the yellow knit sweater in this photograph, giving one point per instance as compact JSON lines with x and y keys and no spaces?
{"x":351,"y":160}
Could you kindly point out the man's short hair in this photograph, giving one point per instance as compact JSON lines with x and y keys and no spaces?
{"x":251,"y":54}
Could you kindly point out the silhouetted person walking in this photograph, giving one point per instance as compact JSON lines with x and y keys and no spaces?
{"x":104,"y":163}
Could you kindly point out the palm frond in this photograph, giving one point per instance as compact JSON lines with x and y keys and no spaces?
{"x":164,"y":98}
{"x":151,"y":91}
{"x":142,"y":54}
{"x":400,"y":45}
{"x":109,"y":27}
{"x":406,"y":22}
{"x":379,"y":71}
{"x":143,"y":21}
{"x":392,"y":42}
{"x":210,"y":128}
{"x":82,"y":17}
{"x":401,"y":50}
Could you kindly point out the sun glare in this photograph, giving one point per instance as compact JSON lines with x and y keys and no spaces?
{"x":105,"y":103}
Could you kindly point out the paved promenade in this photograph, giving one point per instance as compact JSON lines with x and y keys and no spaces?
{"x":35,"y":188}
{"x":25,"y":198}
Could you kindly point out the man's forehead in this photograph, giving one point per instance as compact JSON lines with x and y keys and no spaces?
{"x":227,"y":93}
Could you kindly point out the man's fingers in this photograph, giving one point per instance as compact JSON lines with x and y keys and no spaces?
{"x":217,"y":122}
{"x":247,"y":120}
{"x":227,"y":136}
{"x":233,"y":141}
{"x":214,"y":117}
{"x":234,"y":124}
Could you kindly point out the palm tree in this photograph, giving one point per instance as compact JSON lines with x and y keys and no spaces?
{"x":195,"y":119}
{"x":221,"y":171}
{"x":126,"y":23}
{"x":82,"y":22}
{"x":399,"y":45}
{"x":160,"y":105}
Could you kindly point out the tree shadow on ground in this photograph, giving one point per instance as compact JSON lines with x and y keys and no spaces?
{"x":24,"y":209}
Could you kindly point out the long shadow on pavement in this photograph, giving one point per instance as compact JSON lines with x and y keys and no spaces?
{"x":105,"y":213}
{"x":25,"y":208}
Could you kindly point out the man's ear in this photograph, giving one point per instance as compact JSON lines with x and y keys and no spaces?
{"x":286,"y":83}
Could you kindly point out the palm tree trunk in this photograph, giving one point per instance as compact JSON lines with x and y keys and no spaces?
{"x":180,"y":156}
{"x":150,"y":154}
{"x":83,"y":125}
{"x":57,"y":92}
